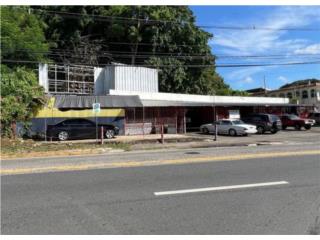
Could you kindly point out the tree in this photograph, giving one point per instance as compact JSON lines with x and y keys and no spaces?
{"x":165,"y":37}
{"x":21,"y":97}
{"x":22,"y":35}
{"x":22,"y":39}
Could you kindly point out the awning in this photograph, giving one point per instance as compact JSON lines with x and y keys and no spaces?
{"x":68,"y":101}
{"x":126,"y":101}
{"x":165,"y":103}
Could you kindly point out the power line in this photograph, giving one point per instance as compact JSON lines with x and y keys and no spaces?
{"x":189,"y":66}
{"x":152,"y":21}
{"x":159,"y":55}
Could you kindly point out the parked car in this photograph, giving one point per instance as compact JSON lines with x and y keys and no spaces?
{"x":80,"y":129}
{"x":291,"y":120}
{"x":230,"y":127}
{"x":315,"y":116}
{"x":264,"y":122}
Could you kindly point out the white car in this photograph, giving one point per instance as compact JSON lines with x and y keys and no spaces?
{"x":232,"y":127}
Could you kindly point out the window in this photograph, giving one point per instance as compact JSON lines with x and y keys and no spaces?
{"x":305,"y":94}
{"x":226,"y":123}
{"x":77,"y":122}
{"x":293,"y":117}
{"x":274,"y":118}
{"x":256,"y":118}
{"x":281,"y":95}
{"x":297,"y":93}
{"x":289,"y":95}
{"x":313,"y":93}
{"x":236,"y":122}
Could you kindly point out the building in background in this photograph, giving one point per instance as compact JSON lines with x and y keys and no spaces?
{"x":130,"y":99}
{"x":303,"y":92}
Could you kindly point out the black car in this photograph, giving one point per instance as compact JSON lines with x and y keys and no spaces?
{"x":80,"y":129}
{"x":264,"y":122}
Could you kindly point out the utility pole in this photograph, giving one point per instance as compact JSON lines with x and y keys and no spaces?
{"x":264,"y":85}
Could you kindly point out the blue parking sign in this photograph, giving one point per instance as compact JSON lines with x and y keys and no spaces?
{"x":96,"y":107}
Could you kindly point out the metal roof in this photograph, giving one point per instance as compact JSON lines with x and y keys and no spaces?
{"x":123,"y":101}
{"x":168,"y":103}
{"x":69,"y":101}
{"x":174,"y":99}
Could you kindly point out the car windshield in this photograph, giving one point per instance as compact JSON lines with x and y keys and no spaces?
{"x":236,"y":122}
{"x":292,"y":116}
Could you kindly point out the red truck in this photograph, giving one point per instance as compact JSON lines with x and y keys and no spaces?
{"x":291,"y":120}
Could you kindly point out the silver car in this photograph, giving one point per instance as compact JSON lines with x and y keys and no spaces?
{"x":230,"y":127}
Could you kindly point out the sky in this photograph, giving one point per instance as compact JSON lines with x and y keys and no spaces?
{"x":292,"y":46}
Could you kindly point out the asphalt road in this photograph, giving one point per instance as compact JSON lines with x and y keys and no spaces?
{"x":123,"y":200}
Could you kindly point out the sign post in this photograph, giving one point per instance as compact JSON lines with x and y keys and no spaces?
{"x":96,"y":109}
{"x":215,"y":125}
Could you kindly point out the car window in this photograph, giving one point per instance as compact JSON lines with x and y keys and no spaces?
{"x":293,"y":117}
{"x":274,"y":118}
{"x":225,"y":122}
{"x":256,"y":118}
{"x":85,"y":122}
{"x":236,"y":122}
{"x":77,"y":122}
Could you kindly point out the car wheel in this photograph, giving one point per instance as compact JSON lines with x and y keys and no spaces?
{"x":63,"y":135}
{"x":297,"y":127}
{"x":274,"y":130}
{"x":307,"y":127}
{"x":109,"y":133}
{"x":232,"y":132}
{"x":205,"y":130}
{"x":260,"y":129}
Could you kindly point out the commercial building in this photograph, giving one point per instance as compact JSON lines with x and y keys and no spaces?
{"x":130,"y":99}
{"x":303,"y":92}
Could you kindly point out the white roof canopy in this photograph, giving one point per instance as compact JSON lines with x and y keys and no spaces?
{"x":174,"y":99}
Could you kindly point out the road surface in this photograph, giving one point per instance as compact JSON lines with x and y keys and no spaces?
{"x":278,"y":194}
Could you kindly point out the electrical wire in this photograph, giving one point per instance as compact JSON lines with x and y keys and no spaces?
{"x":189,"y":66}
{"x":181,"y":55}
{"x":153,"y":22}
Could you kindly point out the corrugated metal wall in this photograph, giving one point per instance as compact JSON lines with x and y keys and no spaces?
{"x":136,"y":79}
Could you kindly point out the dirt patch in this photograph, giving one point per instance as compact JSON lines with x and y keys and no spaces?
{"x":28,"y":148}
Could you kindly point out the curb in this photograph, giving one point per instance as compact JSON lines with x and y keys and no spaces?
{"x":117,"y":151}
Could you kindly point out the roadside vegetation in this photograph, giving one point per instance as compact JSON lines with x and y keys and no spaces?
{"x":31,"y":148}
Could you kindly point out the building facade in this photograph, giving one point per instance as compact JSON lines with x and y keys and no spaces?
{"x":130,"y":99}
{"x":301,"y":92}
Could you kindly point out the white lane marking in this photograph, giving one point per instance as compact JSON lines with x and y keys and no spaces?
{"x":220,"y":188}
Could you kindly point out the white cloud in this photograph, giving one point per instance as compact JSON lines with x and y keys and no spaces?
{"x":311,"y":49}
{"x":260,"y":42}
{"x":248,"y":80}
{"x":283,"y":79}
{"x":243,"y":73}
{"x":245,"y":82}
{"x":248,"y":42}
